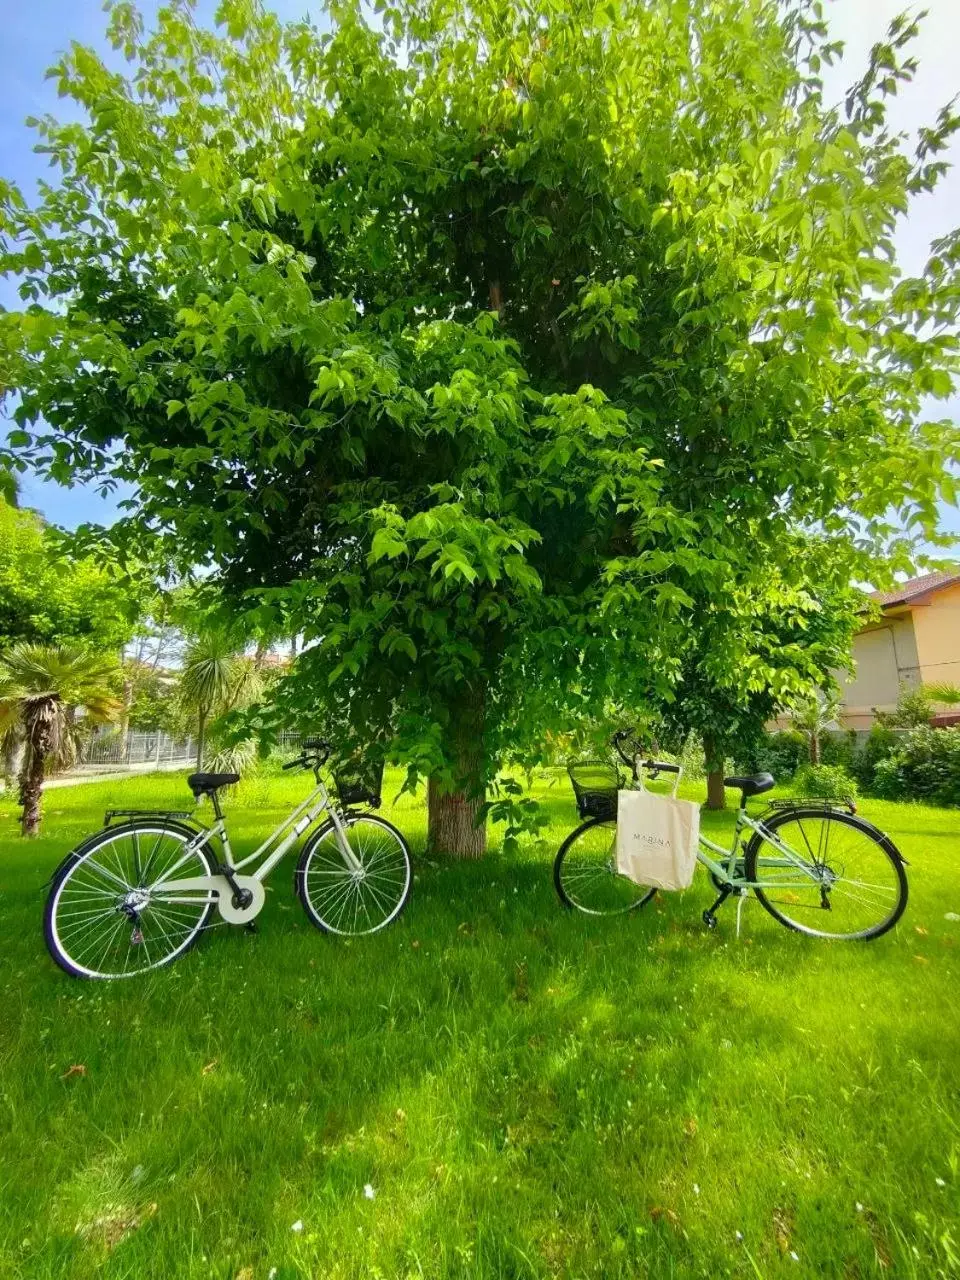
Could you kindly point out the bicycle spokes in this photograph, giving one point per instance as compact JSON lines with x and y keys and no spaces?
{"x":834,"y":878}
{"x":362,"y":889}
{"x":105,"y":917}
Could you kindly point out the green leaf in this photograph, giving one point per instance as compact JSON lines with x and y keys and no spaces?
{"x":387,"y":544}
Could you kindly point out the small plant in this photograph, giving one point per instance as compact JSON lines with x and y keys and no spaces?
{"x":825,"y":782}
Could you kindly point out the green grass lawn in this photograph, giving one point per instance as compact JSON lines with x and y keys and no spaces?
{"x":528,"y":1093}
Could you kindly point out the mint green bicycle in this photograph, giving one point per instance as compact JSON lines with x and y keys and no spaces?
{"x":815,"y":866}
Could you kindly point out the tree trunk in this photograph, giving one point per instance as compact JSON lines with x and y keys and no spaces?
{"x":31,"y":791}
{"x":201,"y":734}
{"x":814,"y":748}
{"x":454,"y":826}
{"x":716,"y":792}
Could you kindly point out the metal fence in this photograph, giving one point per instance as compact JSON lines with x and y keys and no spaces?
{"x":136,"y":748}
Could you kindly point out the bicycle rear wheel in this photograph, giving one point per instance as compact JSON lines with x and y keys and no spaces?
{"x":104,"y":918}
{"x":357,"y":900}
{"x":850,"y":885}
{"x":585,"y":873}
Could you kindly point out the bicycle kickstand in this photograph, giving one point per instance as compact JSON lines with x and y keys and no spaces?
{"x":710,"y":915}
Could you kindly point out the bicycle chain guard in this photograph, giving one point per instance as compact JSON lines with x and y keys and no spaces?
{"x":221,"y":887}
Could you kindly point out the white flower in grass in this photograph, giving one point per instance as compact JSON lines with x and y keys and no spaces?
{"x":940,"y":1182}
{"x":739,"y":1237}
{"x":696,"y":1189}
{"x":368,"y":1191}
{"x":297,"y":1226}
{"x":859,"y":1207}
{"x":794,"y":1255}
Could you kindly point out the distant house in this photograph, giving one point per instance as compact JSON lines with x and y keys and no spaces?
{"x":915,"y":641}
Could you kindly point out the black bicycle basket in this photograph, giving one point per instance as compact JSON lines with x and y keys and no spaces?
{"x":359,"y":781}
{"x":595,"y":784}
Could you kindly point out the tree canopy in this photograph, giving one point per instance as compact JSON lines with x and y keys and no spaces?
{"x":49,"y":596}
{"x":491,"y":349}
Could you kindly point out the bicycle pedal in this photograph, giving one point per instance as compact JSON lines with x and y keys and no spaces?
{"x":709,"y":919}
{"x":252,"y":927}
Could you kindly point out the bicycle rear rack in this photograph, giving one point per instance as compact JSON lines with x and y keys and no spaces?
{"x":812,"y":804}
{"x":112,"y":814}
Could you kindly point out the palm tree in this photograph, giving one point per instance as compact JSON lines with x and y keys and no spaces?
{"x":814,"y":718}
{"x":215,"y":679}
{"x":41,"y":689}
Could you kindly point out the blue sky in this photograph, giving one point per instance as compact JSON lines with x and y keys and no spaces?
{"x":35,"y":31}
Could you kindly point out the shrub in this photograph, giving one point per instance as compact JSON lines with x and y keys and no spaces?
{"x":778,"y":753}
{"x":839,"y":748}
{"x":880,"y":745}
{"x":825,"y":781}
{"x":913,"y":709}
{"x":924,"y":765}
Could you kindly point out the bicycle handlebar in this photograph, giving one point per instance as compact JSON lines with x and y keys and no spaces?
{"x":316,"y":752}
{"x":657,"y":766}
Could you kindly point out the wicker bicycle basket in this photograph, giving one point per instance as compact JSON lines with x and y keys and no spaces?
{"x":595,"y":785}
{"x":359,"y":781}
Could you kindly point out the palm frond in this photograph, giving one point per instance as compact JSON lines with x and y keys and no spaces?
{"x":946,"y":693}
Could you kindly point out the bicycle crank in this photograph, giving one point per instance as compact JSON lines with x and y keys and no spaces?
{"x":241,"y":901}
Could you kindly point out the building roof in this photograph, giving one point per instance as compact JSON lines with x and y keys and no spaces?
{"x":916,"y":588}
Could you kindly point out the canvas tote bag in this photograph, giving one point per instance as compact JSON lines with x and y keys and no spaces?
{"x":657,"y":839}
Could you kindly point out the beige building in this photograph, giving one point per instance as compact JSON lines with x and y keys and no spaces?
{"x":915,"y":641}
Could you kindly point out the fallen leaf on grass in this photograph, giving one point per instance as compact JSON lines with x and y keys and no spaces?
{"x":781,"y":1230}
{"x":918,"y":928}
{"x":114,"y":1224}
{"x":78,"y":1069}
{"x":690,"y":1126}
{"x":659,"y":1213}
{"x":211,"y":1066}
{"x":245,"y":1273}
{"x":921,"y":959}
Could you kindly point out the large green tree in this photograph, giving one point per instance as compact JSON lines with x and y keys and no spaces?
{"x":479,"y":346}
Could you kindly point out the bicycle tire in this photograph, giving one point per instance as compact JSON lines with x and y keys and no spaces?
{"x":338,"y":896}
{"x":73,"y":864}
{"x":870,"y":833}
{"x":567,"y":897}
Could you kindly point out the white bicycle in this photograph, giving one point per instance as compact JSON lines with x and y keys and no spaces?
{"x":139,"y":893}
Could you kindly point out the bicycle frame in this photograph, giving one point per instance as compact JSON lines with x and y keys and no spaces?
{"x":725,"y":872}
{"x":278,"y":842}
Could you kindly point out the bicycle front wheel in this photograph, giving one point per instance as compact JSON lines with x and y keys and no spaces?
{"x":353,"y":900}
{"x":585,"y":873}
{"x":842,"y":879}
{"x":104,"y":916}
